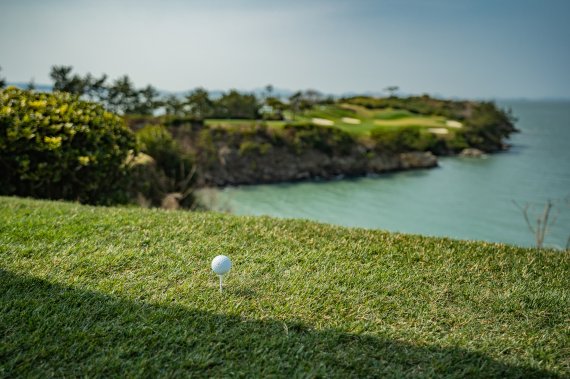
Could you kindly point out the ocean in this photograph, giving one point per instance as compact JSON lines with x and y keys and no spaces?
{"x":464,"y":198}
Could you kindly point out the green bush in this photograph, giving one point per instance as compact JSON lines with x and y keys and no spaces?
{"x":171,"y":169}
{"x":156,"y":141}
{"x":307,"y":136}
{"x":54,"y":146}
{"x":253,"y":147}
{"x":397,"y":140}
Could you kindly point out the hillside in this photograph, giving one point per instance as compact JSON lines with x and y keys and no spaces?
{"x":118,"y":292}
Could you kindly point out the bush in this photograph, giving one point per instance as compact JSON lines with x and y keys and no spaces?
{"x":396,"y":140}
{"x":170,"y":171}
{"x":54,"y":146}
{"x":307,"y":136}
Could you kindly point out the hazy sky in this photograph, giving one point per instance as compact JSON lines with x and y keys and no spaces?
{"x":465,"y":48}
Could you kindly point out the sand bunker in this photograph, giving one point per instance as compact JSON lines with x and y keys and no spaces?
{"x":438,"y":130}
{"x":322,"y":122}
{"x":350,"y":120}
{"x":453,"y":124}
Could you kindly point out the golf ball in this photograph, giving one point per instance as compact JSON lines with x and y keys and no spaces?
{"x":221,"y":265}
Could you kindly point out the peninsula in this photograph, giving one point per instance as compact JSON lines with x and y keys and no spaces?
{"x":328,"y":138}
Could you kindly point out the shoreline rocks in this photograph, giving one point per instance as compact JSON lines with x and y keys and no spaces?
{"x":282,"y":165}
{"x":472,"y":153}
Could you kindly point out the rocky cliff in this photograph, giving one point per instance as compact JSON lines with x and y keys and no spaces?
{"x":225,"y":157}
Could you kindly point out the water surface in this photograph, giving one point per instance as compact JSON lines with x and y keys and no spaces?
{"x":464,"y":198}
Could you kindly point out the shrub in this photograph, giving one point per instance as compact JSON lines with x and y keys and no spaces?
{"x":54,"y":146}
{"x":156,"y":141}
{"x":307,"y":136}
{"x":253,"y":147}
{"x":396,"y":140}
{"x":170,"y":171}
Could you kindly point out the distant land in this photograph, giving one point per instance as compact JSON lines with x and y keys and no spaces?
{"x":284,"y":93}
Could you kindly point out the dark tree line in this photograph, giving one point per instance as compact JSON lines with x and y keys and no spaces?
{"x":121,"y":96}
{"x":2,"y":81}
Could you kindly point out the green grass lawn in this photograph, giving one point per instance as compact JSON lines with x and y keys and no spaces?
{"x":369,"y":119}
{"x":229,"y":123}
{"x":126,"y":292}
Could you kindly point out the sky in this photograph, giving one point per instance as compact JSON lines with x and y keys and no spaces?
{"x":450,"y":48}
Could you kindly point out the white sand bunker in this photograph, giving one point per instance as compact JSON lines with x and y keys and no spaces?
{"x":453,"y":124}
{"x":350,"y":120}
{"x":438,"y":130}
{"x":322,"y":122}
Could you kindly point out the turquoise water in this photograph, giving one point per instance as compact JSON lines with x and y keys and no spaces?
{"x":464,"y":198}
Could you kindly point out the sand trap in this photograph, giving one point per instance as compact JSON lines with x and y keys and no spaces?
{"x":438,"y":130}
{"x":350,"y":120}
{"x":322,"y":122}
{"x":453,"y":124}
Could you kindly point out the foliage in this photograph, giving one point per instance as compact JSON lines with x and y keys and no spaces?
{"x":272,"y":109}
{"x":236,"y":105}
{"x":486,"y":126}
{"x":156,"y":141}
{"x":2,"y":80}
{"x":199,"y":103}
{"x":173,"y":106}
{"x":402,"y":140}
{"x":93,"y":88}
{"x":121,"y":96}
{"x":306,"y":136}
{"x":304,"y":100}
{"x":426,"y":105}
{"x":58,"y":147}
{"x":127,"y":292}
{"x":170,"y":172}
{"x":252,"y":147}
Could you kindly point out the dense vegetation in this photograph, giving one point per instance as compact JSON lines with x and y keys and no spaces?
{"x":485,"y":125}
{"x":122,"y":97}
{"x":58,"y":147}
{"x":190,"y":139}
{"x":114,"y":292}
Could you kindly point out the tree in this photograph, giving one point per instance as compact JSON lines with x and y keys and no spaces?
{"x":2,"y":80}
{"x":92,"y":88}
{"x":544,"y":222}
{"x":199,"y":104}
{"x":392,"y":90}
{"x":236,"y":105}
{"x":122,"y":96}
{"x":147,"y":101}
{"x":273,"y":109}
{"x":311,"y":97}
{"x":65,"y":82}
{"x":95,"y":89}
{"x":268,"y":91}
{"x":31,"y":86}
{"x":295,"y":103}
{"x":173,"y":106}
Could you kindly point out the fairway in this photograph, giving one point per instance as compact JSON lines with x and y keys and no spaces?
{"x":354,"y":119}
{"x":118,"y":292}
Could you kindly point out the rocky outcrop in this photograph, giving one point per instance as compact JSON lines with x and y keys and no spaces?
{"x":472,"y":153}
{"x":281,"y":165}
{"x":257,"y":154}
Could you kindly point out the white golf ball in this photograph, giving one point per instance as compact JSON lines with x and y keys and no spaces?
{"x":221,"y":265}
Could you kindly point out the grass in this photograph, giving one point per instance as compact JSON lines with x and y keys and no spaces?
{"x":123,"y":292}
{"x":229,"y":123}
{"x":370,"y":119}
